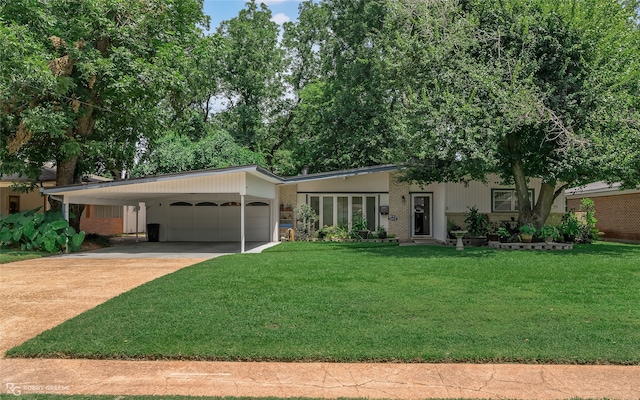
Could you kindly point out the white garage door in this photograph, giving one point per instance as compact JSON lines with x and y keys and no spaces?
{"x":212,"y":222}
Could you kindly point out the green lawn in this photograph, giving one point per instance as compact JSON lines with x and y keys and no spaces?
{"x":10,"y":255}
{"x":367,"y":302}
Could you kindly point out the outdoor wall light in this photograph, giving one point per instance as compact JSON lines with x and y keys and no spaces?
{"x":403,"y":199}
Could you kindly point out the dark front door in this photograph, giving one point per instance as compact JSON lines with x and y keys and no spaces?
{"x":421,"y":215}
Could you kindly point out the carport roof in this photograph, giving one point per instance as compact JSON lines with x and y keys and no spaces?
{"x":133,"y":191}
{"x":252,"y":169}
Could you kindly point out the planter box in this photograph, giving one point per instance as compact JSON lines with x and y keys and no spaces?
{"x":531,"y":246}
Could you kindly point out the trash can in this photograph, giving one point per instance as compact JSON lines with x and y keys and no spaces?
{"x":153,"y":232}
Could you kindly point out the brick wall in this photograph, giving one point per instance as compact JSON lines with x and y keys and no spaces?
{"x":102,"y":226}
{"x":618,"y":216}
{"x":399,"y":209}
{"x":288,"y":195}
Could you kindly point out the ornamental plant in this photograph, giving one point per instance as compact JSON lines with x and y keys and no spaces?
{"x":33,"y":231}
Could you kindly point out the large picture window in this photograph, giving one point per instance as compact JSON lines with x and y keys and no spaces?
{"x":339,"y":209}
{"x":505,"y":200}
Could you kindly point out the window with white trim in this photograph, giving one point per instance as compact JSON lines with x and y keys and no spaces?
{"x":506,"y":200}
{"x":338,"y":209}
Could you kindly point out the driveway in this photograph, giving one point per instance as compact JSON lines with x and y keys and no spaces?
{"x":144,"y":249}
{"x":36,"y":295}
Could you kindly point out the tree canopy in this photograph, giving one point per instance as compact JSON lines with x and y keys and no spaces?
{"x":522,"y":88}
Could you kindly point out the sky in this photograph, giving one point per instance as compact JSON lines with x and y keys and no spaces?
{"x":222,"y":10}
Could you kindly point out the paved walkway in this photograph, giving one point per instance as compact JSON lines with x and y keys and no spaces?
{"x":39,"y":294}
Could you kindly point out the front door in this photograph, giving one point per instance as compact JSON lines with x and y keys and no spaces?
{"x":421,"y":218}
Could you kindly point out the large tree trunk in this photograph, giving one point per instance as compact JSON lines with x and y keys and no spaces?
{"x":522,"y":193}
{"x":527,"y":214}
{"x":66,"y":175}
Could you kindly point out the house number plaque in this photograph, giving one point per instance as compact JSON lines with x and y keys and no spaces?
{"x":393,"y":218}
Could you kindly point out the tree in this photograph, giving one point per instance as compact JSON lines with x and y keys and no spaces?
{"x":251,"y":75}
{"x":522,"y":88}
{"x":178,"y":152}
{"x":103,"y":87}
{"x":345,"y":117}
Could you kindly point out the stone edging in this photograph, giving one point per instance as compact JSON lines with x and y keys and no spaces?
{"x":532,"y":246}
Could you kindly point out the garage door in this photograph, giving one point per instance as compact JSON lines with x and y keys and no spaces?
{"x":212,"y":222}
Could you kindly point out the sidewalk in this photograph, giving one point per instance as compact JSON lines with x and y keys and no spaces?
{"x":391,"y":381}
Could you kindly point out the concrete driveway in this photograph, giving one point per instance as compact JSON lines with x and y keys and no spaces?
{"x":36,"y":295}
{"x":144,"y":249}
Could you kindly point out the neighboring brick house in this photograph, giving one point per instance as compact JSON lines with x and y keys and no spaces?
{"x":104,"y":220}
{"x":617,"y":211}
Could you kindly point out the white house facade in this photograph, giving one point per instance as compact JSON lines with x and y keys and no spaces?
{"x":248,"y":203}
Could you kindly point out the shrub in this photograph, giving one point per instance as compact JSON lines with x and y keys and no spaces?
{"x":570,"y":226}
{"x":33,"y":231}
{"x":549,"y":231}
{"x":477,"y":223}
{"x":306,"y":217}
{"x":588,"y":231}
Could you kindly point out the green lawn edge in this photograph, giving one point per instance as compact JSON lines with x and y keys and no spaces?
{"x":593,"y":287}
{"x":9,"y":255}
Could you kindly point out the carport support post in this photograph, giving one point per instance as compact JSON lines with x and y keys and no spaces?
{"x":241,"y":223}
{"x":137,"y":209}
{"x":65,"y":215}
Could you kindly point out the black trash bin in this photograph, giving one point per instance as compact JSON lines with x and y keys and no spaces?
{"x":153,"y":232}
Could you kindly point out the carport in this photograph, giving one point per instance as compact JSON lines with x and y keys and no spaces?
{"x":235,"y":204}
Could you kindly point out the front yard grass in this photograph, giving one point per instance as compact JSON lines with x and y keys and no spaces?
{"x":8,"y":255}
{"x":348,"y":302}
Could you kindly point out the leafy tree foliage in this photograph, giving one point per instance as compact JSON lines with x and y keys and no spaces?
{"x":100,"y":93}
{"x":178,"y":152}
{"x":251,"y":75}
{"x":523,"y":88}
{"x":345,"y":113}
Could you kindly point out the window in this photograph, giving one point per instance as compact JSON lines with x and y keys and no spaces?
{"x":339,"y":209}
{"x":505,"y":200}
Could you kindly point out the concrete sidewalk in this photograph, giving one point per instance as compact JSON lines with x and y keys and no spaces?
{"x":391,"y":381}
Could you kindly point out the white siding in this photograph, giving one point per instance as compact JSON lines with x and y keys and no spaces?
{"x":259,"y":187}
{"x":478,"y":194}
{"x":378,"y":182}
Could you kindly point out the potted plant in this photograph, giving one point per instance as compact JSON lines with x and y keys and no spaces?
{"x":477,"y":225}
{"x":527,"y":232}
{"x":503,"y":235}
{"x":382,"y":232}
{"x":549,"y":233}
{"x":570,"y":227}
{"x":492,"y":233}
{"x":359,"y":224}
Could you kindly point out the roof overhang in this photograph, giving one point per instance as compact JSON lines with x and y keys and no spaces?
{"x":340,"y":174}
{"x":598,"y":189}
{"x":250,"y":180}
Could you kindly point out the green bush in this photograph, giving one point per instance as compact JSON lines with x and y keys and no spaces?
{"x":588,"y":230}
{"x":33,"y":231}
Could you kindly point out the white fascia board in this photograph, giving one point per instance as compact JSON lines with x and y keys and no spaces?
{"x":100,"y":201}
{"x":598,"y":189}
{"x":253,"y":169}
